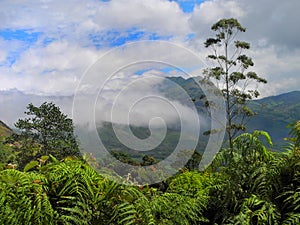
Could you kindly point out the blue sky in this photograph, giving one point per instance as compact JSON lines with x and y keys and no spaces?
{"x":46,"y":42}
{"x":187,"y":6}
{"x":111,"y":38}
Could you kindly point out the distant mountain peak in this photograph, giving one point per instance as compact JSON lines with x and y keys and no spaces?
{"x":285,"y":98}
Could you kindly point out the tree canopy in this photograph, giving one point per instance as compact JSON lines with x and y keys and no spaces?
{"x":45,"y":130}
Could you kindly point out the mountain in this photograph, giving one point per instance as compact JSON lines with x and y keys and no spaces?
{"x":274,"y":114}
{"x":172,"y":90}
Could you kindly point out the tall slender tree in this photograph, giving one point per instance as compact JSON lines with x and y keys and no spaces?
{"x":230,"y":72}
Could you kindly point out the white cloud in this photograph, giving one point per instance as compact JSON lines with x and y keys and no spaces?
{"x":75,"y":19}
{"x":281,"y":71}
{"x":13,"y":104}
{"x":271,"y":30}
{"x":47,"y":16}
{"x":159,"y":16}
{"x":264,"y":20}
{"x":56,"y":67}
{"x":136,"y":101}
{"x":209,"y":12}
{"x":51,"y":70}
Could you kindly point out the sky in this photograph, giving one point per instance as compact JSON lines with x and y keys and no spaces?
{"x":54,"y":42}
{"x":48,"y":46}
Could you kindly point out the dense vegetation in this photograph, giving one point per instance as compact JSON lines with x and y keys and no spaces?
{"x":254,"y":186}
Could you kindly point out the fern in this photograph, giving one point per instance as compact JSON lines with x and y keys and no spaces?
{"x":24,"y":199}
{"x":256,"y":211}
{"x":291,"y":219}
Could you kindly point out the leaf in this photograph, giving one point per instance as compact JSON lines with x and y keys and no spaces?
{"x":30,"y":165}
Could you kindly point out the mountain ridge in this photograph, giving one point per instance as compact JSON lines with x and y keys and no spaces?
{"x":273,"y":113}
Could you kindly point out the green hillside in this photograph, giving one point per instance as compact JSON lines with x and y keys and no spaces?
{"x":167,"y":146}
{"x":4,"y":130}
{"x":5,"y":149}
{"x":274,"y":114}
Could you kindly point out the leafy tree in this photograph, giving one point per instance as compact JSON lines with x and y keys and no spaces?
{"x":45,"y":131}
{"x":230,"y":72}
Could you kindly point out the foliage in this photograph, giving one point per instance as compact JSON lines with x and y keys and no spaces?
{"x":248,"y":184}
{"x":255,"y":186}
{"x":5,"y":149}
{"x":24,"y":199}
{"x":295,"y":133}
{"x":45,"y":131}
